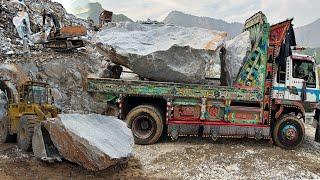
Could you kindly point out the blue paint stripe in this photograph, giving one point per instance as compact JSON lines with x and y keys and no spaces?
{"x":310,"y":91}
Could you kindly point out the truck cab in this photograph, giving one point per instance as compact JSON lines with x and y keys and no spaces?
{"x":297,"y":80}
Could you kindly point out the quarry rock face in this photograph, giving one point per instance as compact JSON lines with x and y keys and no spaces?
{"x":236,"y":52}
{"x":93,"y":141}
{"x":163,"y":53}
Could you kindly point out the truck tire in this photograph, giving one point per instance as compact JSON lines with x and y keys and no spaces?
{"x":4,"y":130}
{"x":146,"y":123}
{"x":317,"y":136}
{"x":25,"y":131}
{"x":288,"y":132}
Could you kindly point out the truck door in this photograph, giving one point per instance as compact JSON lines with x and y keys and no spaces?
{"x":302,"y":84}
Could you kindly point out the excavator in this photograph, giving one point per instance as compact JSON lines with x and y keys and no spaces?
{"x":25,"y":112}
{"x":62,"y":38}
{"x":104,"y":17}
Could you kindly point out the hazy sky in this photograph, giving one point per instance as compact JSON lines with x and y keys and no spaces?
{"x":304,"y":11}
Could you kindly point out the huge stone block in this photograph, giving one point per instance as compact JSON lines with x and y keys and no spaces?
{"x":237,"y":50}
{"x":163,"y":53}
{"x":93,"y":141}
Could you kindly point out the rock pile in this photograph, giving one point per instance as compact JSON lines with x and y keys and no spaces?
{"x":11,"y":11}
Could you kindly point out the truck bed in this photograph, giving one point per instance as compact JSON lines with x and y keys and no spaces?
{"x":168,"y":89}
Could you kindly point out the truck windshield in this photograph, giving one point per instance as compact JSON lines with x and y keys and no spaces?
{"x":304,"y":70}
{"x":37,"y":94}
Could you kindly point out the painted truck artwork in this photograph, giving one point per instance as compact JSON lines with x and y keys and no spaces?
{"x":274,"y":93}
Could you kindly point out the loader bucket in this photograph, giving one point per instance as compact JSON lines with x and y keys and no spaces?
{"x":43,"y":147}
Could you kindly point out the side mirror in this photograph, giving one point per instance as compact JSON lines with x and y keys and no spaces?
{"x":304,"y":91}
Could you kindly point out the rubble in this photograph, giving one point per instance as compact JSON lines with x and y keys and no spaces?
{"x":236,"y":52}
{"x":162,"y":52}
{"x":3,"y":105}
{"x":66,"y":73}
{"x":12,"y":28}
{"x":93,"y":141}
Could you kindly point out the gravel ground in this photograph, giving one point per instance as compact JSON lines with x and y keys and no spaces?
{"x":188,"y":158}
{"x":198,"y":158}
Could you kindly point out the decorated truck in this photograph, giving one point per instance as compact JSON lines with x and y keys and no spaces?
{"x":275,"y":93}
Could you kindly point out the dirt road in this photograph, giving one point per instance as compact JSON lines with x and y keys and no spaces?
{"x":188,"y":158}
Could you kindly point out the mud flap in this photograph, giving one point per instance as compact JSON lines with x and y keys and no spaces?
{"x":43,"y":147}
{"x":317,"y":135}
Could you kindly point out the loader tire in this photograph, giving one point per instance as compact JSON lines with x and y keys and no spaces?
{"x":4,"y":130}
{"x":25,"y":131}
{"x":288,"y":132}
{"x":146,"y":123}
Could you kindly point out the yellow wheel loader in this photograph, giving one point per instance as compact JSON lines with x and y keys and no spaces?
{"x":32,"y":107}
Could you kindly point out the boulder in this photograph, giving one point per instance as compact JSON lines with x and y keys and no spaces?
{"x":93,"y":141}
{"x":163,"y":52}
{"x":237,"y":50}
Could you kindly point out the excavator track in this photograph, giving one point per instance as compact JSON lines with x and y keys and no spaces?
{"x":64,"y":45}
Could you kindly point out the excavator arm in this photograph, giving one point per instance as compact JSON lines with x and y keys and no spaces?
{"x":56,"y":30}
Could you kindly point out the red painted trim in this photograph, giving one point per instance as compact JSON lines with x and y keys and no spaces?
{"x":249,"y":88}
{"x":279,"y":112}
{"x":303,"y":58}
{"x":220,"y":123}
{"x":187,"y":119}
{"x":296,"y":104}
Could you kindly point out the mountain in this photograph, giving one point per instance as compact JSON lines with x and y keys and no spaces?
{"x":312,"y":52}
{"x":84,"y":9}
{"x":309,"y":35}
{"x":186,"y":20}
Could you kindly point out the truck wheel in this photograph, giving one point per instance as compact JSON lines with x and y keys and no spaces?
{"x":25,"y":132}
{"x":4,"y":130}
{"x":146,"y":123}
{"x":288,"y":132}
{"x":317,"y":136}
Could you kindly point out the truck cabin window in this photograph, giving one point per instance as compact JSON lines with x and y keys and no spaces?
{"x":304,"y":70}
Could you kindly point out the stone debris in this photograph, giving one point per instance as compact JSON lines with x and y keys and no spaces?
{"x":93,"y":141}
{"x":24,"y":17}
{"x":22,"y":22}
{"x":162,"y":52}
{"x":3,"y":105}
{"x":236,"y":52}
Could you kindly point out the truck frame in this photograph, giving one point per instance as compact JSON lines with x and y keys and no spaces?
{"x":267,"y":101}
